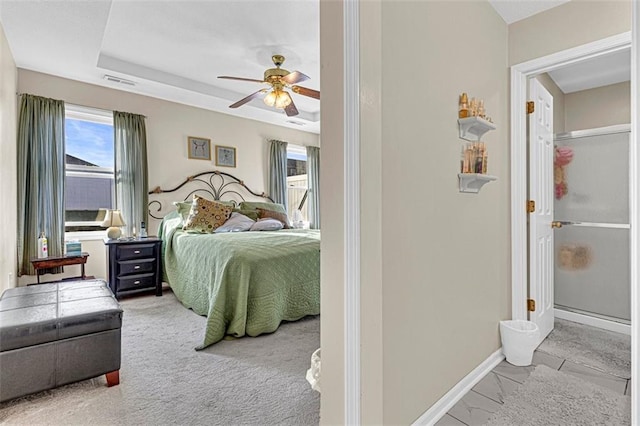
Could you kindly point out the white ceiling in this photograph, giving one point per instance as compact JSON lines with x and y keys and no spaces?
{"x":516,"y":10}
{"x":174,"y":49}
{"x":596,"y":72}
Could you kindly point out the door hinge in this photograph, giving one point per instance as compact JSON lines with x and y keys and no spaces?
{"x":531,"y":106}
{"x":531,"y":305}
{"x":531,"y":206}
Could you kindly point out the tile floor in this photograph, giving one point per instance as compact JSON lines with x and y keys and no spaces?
{"x":485,"y":398}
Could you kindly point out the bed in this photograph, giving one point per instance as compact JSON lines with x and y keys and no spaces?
{"x":245,"y":283}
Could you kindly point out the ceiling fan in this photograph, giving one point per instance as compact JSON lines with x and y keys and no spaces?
{"x":279,"y":79}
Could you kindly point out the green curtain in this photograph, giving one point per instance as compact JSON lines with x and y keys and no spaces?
{"x":278,"y":172}
{"x":313,"y":176}
{"x":41,"y":169}
{"x":130,"y":140}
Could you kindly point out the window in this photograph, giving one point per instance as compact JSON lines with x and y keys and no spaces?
{"x":89,"y":180}
{"x":297,"y":182}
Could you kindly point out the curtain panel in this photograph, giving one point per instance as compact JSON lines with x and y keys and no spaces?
{"x":278,"y":172}
{"x":130,"y":140}
{"x":313,"y":172}
{"x":41,"y":173}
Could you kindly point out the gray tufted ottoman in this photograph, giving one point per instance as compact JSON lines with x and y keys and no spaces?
{"x":57,"y":333}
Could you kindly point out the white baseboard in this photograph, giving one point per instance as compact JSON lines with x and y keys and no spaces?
{"x":444,"y":404}
{"x":592,"y":321}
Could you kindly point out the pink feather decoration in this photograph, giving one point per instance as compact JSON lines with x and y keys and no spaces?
{"x":563,"y":155}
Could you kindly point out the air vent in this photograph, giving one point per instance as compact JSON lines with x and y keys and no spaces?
{"x":119,"y":80}
{"x":297,"y":123}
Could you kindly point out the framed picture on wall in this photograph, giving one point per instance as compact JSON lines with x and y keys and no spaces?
{"x":199,"y":148}
{"x":225,"y":156}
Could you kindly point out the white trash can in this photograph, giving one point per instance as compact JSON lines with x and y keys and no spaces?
{"x":519,"y":340}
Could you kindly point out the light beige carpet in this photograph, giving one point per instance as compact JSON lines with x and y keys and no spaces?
{"x":164,"y":381}
{"x":600,"y":349}
{"x":552,"y":398}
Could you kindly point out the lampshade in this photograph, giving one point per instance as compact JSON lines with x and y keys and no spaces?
{"x":113,"y":218}
{"x":278,"y":98}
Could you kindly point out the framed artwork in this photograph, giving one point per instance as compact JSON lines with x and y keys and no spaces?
{"x":199,"y":148}
{"x":225,"y":156}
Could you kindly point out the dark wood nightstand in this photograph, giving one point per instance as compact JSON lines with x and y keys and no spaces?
{"x":134,"y":265}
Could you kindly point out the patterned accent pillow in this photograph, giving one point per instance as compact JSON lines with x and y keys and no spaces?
{"x":282,"y":217}
{"x":206,"y":215}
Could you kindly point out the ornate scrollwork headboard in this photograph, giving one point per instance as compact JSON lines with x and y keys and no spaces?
{"x":214,"y":184}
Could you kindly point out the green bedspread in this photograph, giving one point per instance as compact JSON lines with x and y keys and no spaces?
{"x":245,"y":283}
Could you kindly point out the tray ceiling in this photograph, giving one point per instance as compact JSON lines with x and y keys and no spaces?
{"x":173,"y":50}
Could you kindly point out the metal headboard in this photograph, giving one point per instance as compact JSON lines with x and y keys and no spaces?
{"x":214,"y":183}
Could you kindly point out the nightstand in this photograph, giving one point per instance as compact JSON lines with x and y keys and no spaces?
{"x":134,"y":265}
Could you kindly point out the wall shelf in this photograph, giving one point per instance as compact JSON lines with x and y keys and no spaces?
{"x":472,"y":128}
{"x":473,"y":182}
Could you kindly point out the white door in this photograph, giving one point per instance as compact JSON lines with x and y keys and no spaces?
{"x":541,"y":191}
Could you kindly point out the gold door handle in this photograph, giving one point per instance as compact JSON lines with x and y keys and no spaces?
{"x":556,"y":224}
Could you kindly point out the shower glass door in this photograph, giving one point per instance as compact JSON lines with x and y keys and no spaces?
{"x":591,"y":181}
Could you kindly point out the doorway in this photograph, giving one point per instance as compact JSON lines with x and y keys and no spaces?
{"x":579,"y":244}
{"x":519,"y":180}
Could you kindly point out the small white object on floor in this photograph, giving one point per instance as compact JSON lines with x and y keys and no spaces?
{"x":519,"y":340}
{"x":313,"y":374}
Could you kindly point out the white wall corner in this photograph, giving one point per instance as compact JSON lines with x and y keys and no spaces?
{"x":634,"y":191}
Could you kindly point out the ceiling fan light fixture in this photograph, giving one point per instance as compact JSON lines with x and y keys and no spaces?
{"x":283,"y":100}
{"x":278,"y":98}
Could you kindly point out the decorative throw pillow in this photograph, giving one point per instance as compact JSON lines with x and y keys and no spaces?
{"x":206,"y":215}
{"x":236,"y":223}
{"x":251,"y":214}
{"x":267,"y":225}
{"x":282,"y":217}
{"x":253,"y":205}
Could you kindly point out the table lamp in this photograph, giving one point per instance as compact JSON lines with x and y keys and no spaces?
{"x":113,"y":219}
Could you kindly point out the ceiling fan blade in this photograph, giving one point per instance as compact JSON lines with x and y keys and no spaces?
{"x":291,"y":109}
{"x":305,"y":91}
{"x":241,"y":78}
{"x":294,"y":77}
{"x":247,"y":99}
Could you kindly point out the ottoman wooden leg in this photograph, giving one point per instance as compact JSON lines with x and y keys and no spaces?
{"x":113,"y":378}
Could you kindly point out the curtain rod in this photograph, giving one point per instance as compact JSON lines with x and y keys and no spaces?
{"x":73,"y":103}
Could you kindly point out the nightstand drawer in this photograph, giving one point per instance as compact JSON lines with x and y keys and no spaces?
{"x":136,"y":266}
{"x":135,"y":251}
{"x":136,"y":281}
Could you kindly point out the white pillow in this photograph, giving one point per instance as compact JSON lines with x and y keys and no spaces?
{"x":267,"y":224}
{"x":236,"y":223}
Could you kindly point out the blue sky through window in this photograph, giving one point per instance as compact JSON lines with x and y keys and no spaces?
{"x":90,"y":141}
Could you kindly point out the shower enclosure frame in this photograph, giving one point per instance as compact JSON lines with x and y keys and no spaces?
{"x":573,"y":314}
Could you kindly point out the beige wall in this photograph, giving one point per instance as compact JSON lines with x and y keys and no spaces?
{"x":558,"y":101}
{"x":168,"y":126}
{"x":599,"y":107}
{"x":8,"y":164}
{"x":445,"y":254}
{"x":371,"y":225}
{"x":569,"y":25}
{"x":331,"y":209}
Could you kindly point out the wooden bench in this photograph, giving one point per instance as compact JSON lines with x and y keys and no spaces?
{"x":40,"y":263}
